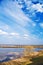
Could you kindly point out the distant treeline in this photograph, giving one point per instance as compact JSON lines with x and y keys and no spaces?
{"x":21,"y":46}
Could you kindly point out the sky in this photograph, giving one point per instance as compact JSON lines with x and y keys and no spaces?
{"x":21,"y":22}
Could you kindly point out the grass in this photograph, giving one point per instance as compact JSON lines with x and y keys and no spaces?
{"x":33,"y":61}
{"x":32,"y":58}
{"x":37,"y":61}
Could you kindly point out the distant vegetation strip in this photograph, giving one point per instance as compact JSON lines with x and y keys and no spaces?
{"x":21,"y":46}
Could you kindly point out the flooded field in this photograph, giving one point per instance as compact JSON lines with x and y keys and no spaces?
{"x":7,"y":54}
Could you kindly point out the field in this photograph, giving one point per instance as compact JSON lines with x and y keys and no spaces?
{"x":29,"y":58}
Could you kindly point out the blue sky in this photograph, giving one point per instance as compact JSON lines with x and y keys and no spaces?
{"x":21,"y":22}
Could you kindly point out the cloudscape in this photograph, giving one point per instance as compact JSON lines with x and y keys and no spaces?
{"x":21,"y":22}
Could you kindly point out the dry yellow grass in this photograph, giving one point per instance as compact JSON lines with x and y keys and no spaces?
{"x":32,"y":58}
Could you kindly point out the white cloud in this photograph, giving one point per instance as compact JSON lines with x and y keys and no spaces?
{"x":14,"y":34}
{"x":37,"y":7}
{"x":17,"y":14}
{"x":9,"y":35}
{"x":33,"y":24}
{"x":4,"y":26}
{"x":41,"y":25}
{"x":3,"y":32}
{"x":25,"y":35}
